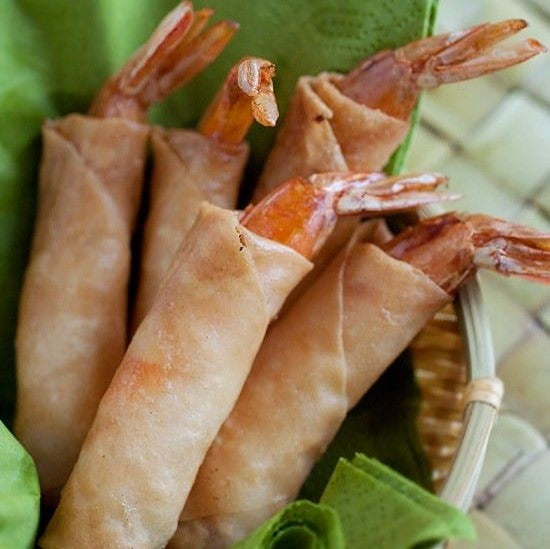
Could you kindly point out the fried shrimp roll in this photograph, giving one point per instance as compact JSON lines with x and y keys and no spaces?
{"x":192,"y":166}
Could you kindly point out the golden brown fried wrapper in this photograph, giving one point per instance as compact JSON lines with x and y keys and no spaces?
{"x":176,"y":385}
{"x":188,"y":169}
{"x":315,"y":363}
{"x":72,"y":317}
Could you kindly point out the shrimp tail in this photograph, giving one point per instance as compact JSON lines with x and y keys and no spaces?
{"x":448,"y":248}
{"x":471,"y":53}
{"x":510,"y":249}
{"x":178,"y":49}
{"x":246,"y":95}
{"x":391,"y":194}
{"x":391,"y":80}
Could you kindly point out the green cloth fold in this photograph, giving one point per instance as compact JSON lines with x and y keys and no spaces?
{"x":378,"y":506}
{"x":300,"y":525}
{"x":19,"y":494}
{"x":372,"y":506}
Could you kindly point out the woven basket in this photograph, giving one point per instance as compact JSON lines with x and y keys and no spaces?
{"x":455,"y":368}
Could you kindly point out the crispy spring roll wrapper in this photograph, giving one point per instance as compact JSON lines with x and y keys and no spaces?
{"x":324,"y":130}
{"x":176,"y":385}
{"x":71,"y":334}
{"x":314,"y":365}
{"x":188,"y":168}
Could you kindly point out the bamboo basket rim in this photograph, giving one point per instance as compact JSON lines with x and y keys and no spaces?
{"x":480,"y":412}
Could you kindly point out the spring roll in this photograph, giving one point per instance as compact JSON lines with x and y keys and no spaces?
{"x":177,"y":383}
{"x":324,"y":131}
{"x":328,"y":350}
{"x":192,"y":166}
{"x":314,"y":364}
{"x":72,"y":317}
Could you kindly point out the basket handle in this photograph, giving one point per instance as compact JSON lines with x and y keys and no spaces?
{"x":479,"y":412}
{"x":483,"y":398}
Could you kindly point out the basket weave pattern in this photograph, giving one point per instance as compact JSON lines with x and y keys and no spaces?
{"x":492,"y":136}
{"x":438,"y":356}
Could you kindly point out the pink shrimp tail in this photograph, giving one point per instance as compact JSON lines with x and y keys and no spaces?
{"x":391,"y":80}
{"x":510,"y":249}
{"x":179,"y":48}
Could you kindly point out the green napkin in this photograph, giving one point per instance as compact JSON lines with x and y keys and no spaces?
{"x":19,"y":494}
{"x":372,"y":506}
{"x":300,"y":525}
{"x":379,"y":508}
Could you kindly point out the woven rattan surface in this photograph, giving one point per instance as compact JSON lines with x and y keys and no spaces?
{"x":492,"y":137}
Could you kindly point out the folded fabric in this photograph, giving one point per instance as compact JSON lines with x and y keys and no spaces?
{"x":300,"y":525}
{"x":380,"y":508}
{"x":19,"y":493}
{"x":365,"y":504}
